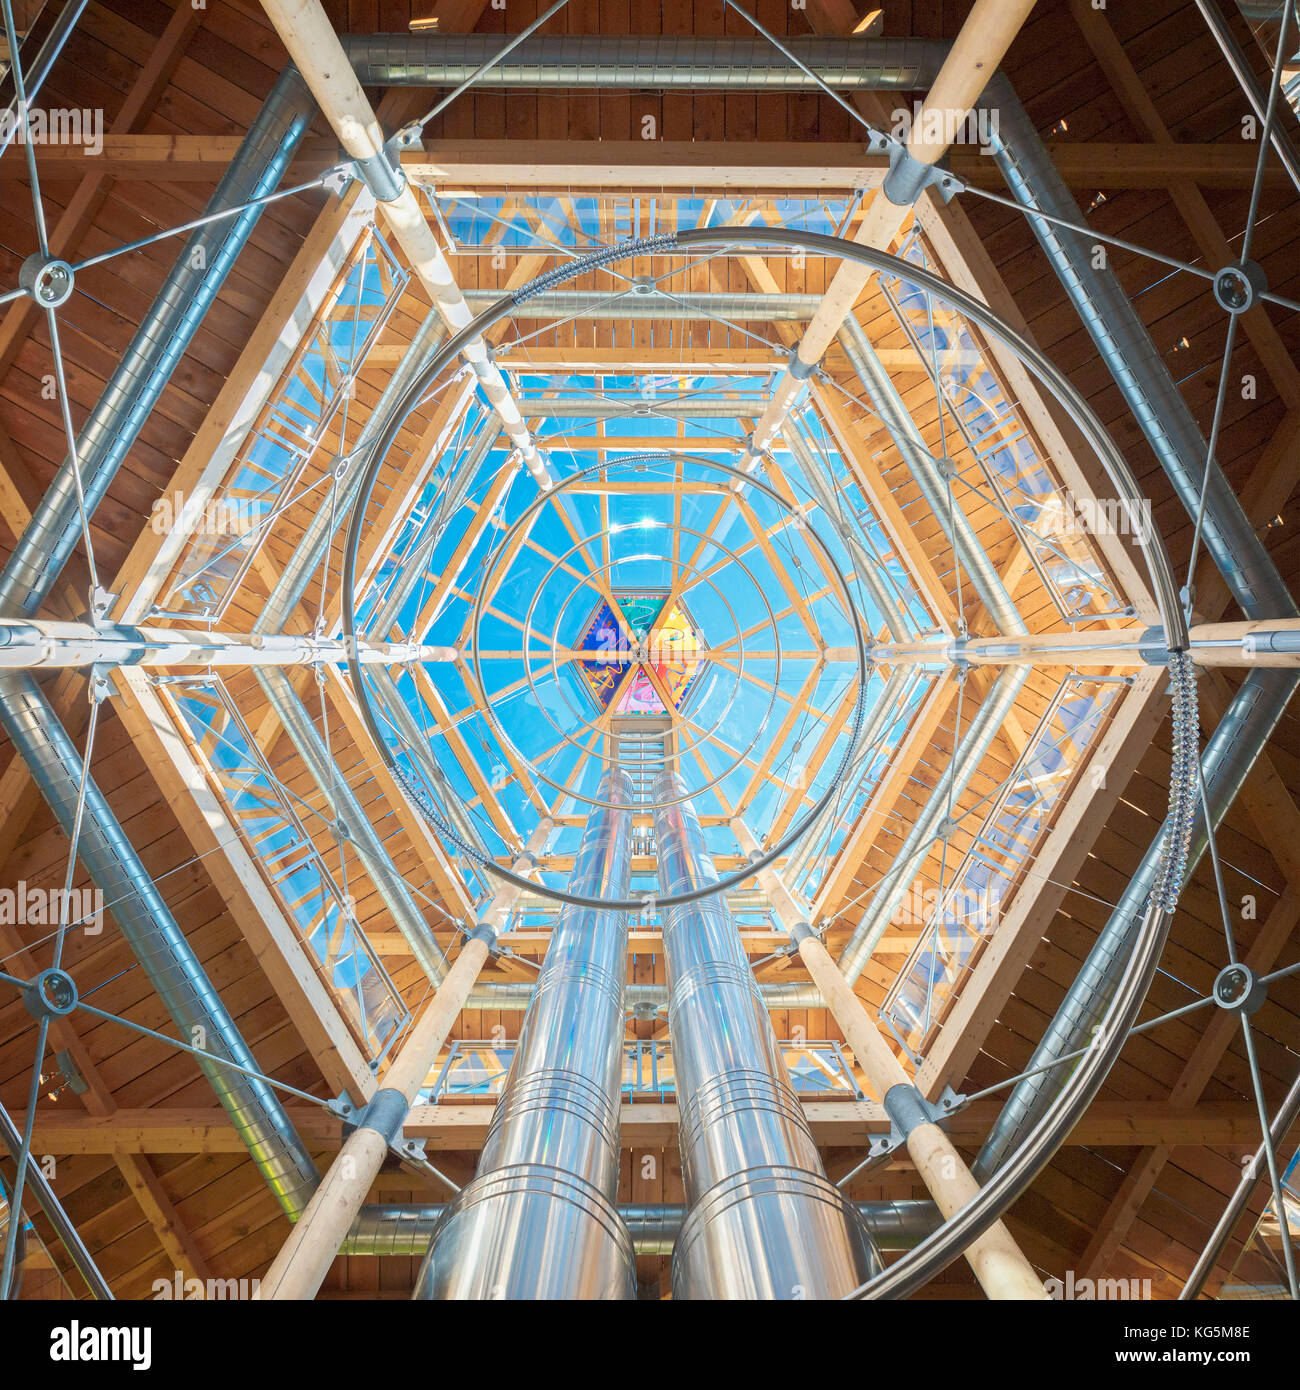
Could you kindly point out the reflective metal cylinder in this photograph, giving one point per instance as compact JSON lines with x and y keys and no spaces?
{"x":763,"y":1221}
{"x":539,"y":1219}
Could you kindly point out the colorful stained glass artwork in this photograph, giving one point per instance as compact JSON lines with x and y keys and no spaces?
{"x":671,"y":647}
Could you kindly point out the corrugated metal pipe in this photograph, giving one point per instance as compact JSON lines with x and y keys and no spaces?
{"x":653,"y":303}
{"x":157,"y":347}
{"x":763,"y":1220}
{"x":1245,"y":728}
{"x":157,"y":941}
{"x":383,"y":60}
{"x":539,"y":1220}
{"x":1135,"y":362}
{"x":596,"y":62}
{"x":900,"y":1225}
{"x":898,"y":65}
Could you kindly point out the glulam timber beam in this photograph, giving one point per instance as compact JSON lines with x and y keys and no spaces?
{"x":1030,"y":911}
{"x":206,"y":1129}
{"x":778,"y":168}
{"x":262,"y":922}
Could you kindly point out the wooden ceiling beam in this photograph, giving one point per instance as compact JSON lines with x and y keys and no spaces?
{"x":206,"y":1129}
{"x":1034,"y":905}
{"x":772,"y":168}
{"x":262,"y":922}
{"x":1187,"y":197}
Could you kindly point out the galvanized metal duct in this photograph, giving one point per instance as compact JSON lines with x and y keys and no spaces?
{"x":157,"y":347}
{"x":605,"y":408}
{"x":423,"y":59}
{"x":381,"y":1230}
{"x":1245,"y":728}
{"x":900,"y":1225}
{"x":930,"y":823}
{"x":575,"y":61}
{"x":157,"y":941}
{"x":539,"y":1220}
{"x":514,"y":997}
{"x":353,"y":824}
{"x":1139,"y":370}
{"x":764,"y":1221}
{"x":654,"y":304}
{"x":385,"y":1230}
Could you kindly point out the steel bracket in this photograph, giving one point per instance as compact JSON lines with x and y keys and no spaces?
{"x":908,"y":177}
{"x":907,"y":1108}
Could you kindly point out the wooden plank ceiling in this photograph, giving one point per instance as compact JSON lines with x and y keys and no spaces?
{"x":1137,"y":79}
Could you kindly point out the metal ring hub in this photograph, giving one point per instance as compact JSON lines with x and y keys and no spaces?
{"x":48,"y":280}
{"x":1239,"y":990}
{"x":51,"y":994}
{"x":1239,"y":287}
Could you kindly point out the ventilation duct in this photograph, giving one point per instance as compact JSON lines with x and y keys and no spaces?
{"x":539,"y":1220}
{"x":763,"y":1220}
{"x":900,"y":1225}
{"x":1243,"y":731}
{"x":385,"y":60}
{"x":889,"y":65}
{"x":158,"y":346}
{"x":157,"y":941}
{"x":196,"y":278}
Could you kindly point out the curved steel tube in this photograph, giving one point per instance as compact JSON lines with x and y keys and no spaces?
{"x":1245,"y":728}
{"x":539,"y":1220}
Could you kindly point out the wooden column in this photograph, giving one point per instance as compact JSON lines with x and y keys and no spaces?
{"x":313,"y":45}
{"x":974,"y":57}
{"x":298,"y":1271}
{"x":998,"y":1262}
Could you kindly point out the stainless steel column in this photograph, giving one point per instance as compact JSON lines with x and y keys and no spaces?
{"x":539,"y":1218}
{"x":763,"y":1221}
